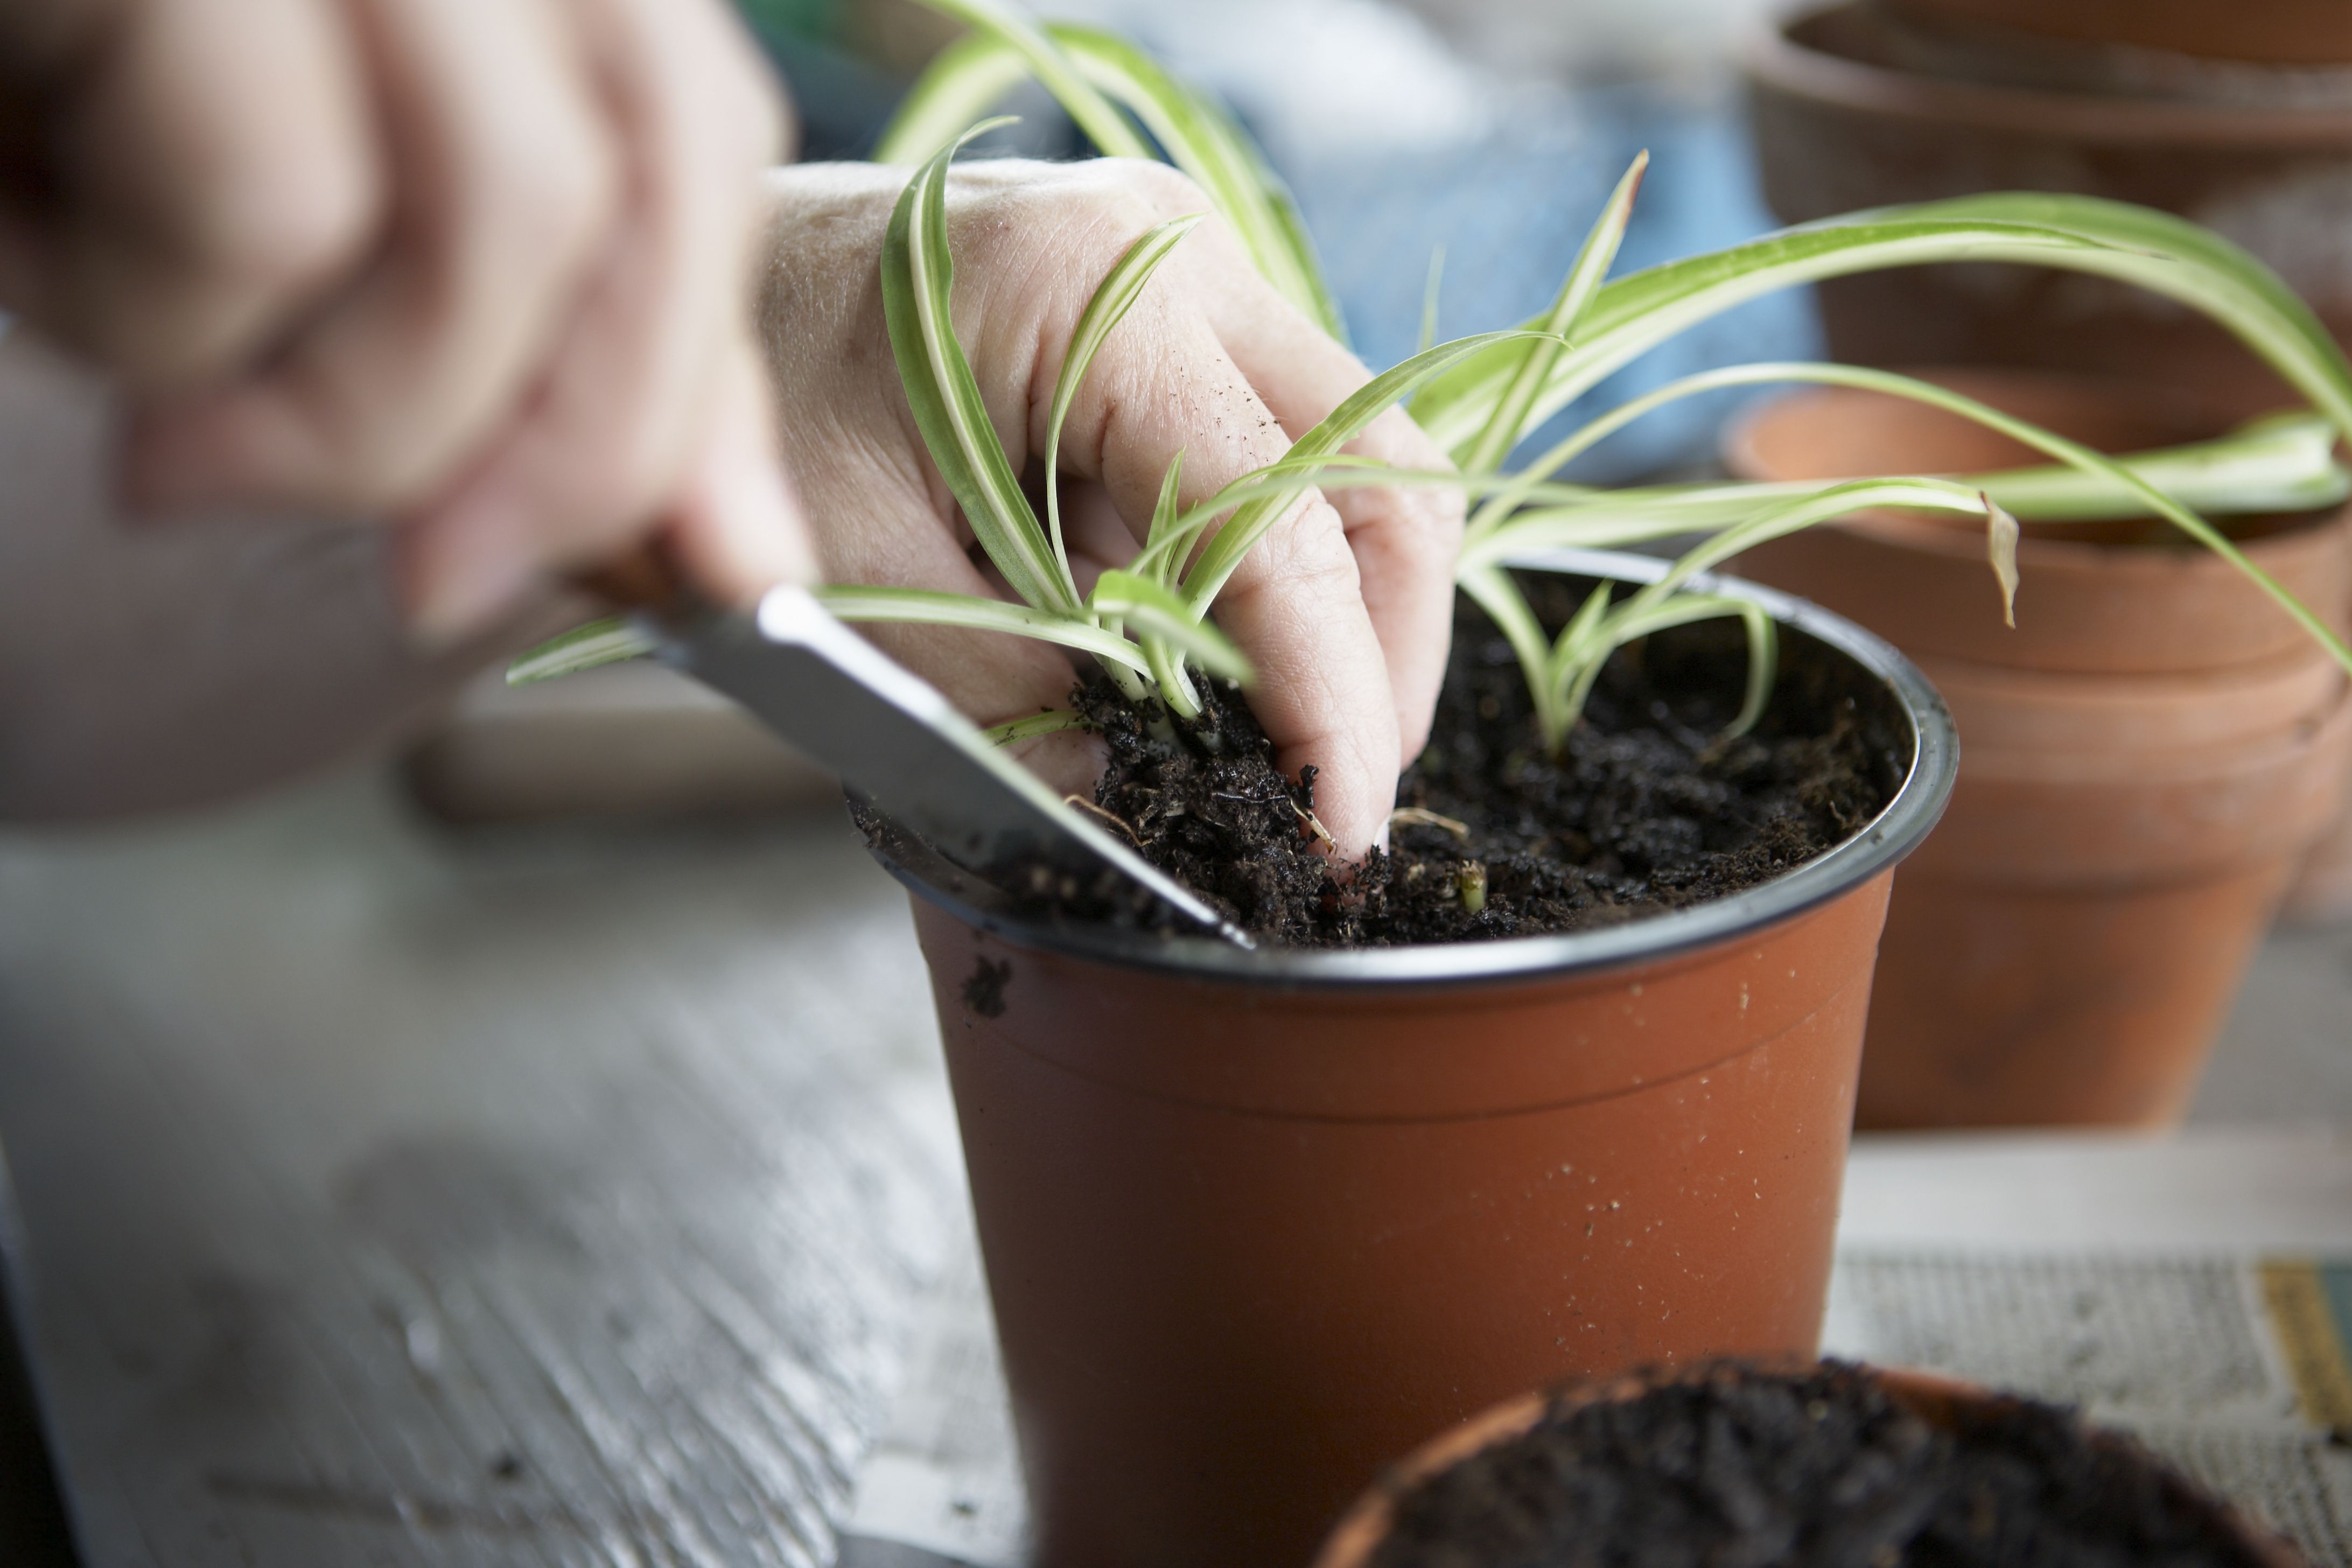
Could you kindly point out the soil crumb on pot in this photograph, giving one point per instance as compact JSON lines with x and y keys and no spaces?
{"x":983,"y":988}
{"x":1651,"y":809}
{"x":1821,"y":1469}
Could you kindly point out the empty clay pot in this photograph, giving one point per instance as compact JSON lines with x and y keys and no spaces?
{"x":2321,"y":893}
{"x":1940,"y":1400}
{"x":2274,"y":32}
{"x":2148,"y":757}
{"x":1255,"y":1222}
{"x":1842,"y":123}
{"x":2084,"y":605}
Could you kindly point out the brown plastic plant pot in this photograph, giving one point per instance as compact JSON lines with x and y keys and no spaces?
{"x":1254,"y":1222}
{"x":1837,"y":130}
{"x":2149,"y":753}
{"x":1935,"y":1398}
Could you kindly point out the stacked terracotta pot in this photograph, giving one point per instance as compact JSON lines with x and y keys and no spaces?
{"x":2238,"y":115}
{"x":1868,"y":102}
{"x":2146,"y":758}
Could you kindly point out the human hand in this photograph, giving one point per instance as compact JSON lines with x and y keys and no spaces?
{"x":1346,"y":609}
{"x":476,"y":265}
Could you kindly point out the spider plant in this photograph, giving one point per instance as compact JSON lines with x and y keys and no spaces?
{"x":1147,"y":624}
{"x":1482,"y":404}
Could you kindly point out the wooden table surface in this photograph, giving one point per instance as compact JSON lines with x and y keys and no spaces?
{"x":534,"y":1196}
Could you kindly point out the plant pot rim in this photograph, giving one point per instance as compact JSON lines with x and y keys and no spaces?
{"x":1916,"y":805}
{"x":1772,"y":56}
{"x":1933,"y":1396}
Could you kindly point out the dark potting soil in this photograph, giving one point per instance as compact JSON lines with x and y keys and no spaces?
{"x":1650,"y":809}
{"x":1734,"y":1469}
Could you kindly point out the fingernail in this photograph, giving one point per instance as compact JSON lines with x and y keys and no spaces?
{"x":467,"y":587}
{"x":750,"y":510}
{"x":761,"y":513}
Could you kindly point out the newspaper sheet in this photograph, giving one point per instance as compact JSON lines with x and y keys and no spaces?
{"x":2196,"y":1289}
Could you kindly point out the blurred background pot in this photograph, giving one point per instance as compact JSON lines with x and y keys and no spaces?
{"x":1254,"y":1222}
{"x":2321,"y":893}
{"x":2147,"y":757}
{"x":1941,"y":1402}
{"x":2274,"y":32}
{"x":1859,"y":106}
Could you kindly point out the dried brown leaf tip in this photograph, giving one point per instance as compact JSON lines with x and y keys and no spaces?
{"x":2000,"y":548}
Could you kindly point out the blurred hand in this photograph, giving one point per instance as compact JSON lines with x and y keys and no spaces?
{"x":1346,"y":610}
{"x":477,"y":266}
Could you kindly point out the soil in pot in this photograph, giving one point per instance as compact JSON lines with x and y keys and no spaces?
{"x":1651,"y":808}
{"x":1824,"y":1468}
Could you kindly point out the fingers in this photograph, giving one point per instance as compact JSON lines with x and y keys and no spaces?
{"x":1404,"y":539}
{"x":662,"y":330}
{"x":735,"y":524}
{"x":505,"y":178}
{"x":198,"y":173}
{"x":1163,"y":384}
{"x":738,"y":527}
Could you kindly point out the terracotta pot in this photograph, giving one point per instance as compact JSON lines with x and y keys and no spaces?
{"x":2276,"y":32}
{"x":1938,"y":1400}
{"x":2082,"y":607}
{"x":1841,"y":124}
{"x":1255,"y":1221}
{"x":2147,"y":757}
{"x":2321,"y":893}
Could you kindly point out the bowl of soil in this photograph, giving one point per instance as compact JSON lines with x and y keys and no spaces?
{"x":1829,"y":1467}
{"x":1559,"y":1085}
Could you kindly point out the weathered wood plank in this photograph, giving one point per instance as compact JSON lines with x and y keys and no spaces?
{"x":531,"y":1197}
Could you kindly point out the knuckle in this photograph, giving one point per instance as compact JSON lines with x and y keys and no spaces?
{"x":1309,"y":558}
{"x":553,"y":200}
{"x":1164,"y":191}
{"x":635,"y":469}
{"x":284,"y":231}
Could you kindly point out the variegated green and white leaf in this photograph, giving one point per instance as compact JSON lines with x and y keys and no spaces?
{"x":923,"y":607}
{"x":1202,"y":139}
{"x":957,"y":89}
{"x":610,"y":641}
{"x":951,"y":83}
{"x":1052,"y":721}
{"x":1635,"y":621}
{"x":1240,"y":533}
{"x":2081,"y":233}
{"x":1100,"y":78}
{"x":1509,"y":422}
{"x":1113,"y":298}
{"x":918,"y":278}
{"x":1147,"y":607}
